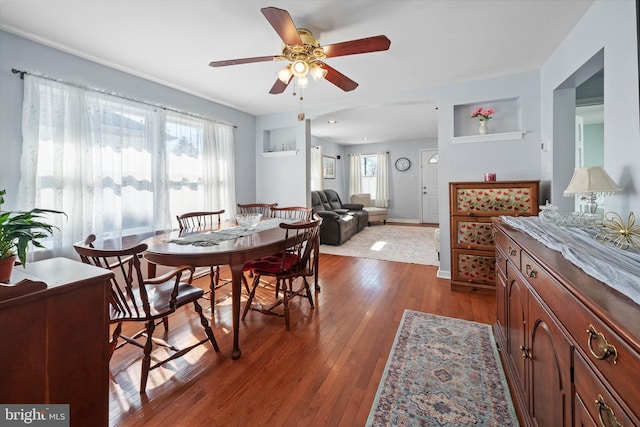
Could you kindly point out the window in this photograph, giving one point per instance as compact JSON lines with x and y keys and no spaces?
{"x":118,"y":168}
{"x":369,"y":173}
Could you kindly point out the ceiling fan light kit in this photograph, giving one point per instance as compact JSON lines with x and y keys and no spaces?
{"x":305,"y":54}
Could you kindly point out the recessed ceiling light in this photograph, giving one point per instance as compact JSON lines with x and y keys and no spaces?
{"x":332,"y":122}
{"x":365,"y":139}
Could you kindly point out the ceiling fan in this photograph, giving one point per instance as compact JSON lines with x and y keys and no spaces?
{"x":305,"y":54}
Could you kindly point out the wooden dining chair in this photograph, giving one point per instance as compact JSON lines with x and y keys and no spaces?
{"x":205,"y":221}
{"x":262,"y":208}
{"x":295,"y":260}
{"x":148,"y":301}
{"x":292,"y":213}
{"x":200,"y":220}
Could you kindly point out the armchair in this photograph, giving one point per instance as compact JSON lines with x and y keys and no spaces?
{"x":375,"y":214}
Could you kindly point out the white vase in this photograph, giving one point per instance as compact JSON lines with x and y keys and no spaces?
{"x":484,"y":129}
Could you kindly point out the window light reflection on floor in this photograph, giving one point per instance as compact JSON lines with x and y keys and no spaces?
{"x":377,"y":246}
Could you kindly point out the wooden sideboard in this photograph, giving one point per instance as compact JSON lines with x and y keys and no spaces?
{"x":54,"y":342}
{"x":570,"y":344}
{"x":472,"y":204}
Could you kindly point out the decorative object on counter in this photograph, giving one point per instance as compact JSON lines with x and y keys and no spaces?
{"x":483,"y":114}
{"x":18,"y":229}
{"x":248,"y":221}
{"x":550,"y":213}
{"x":489,"y":177}
{"x":614,"y":230}
{"x":589,"y":183}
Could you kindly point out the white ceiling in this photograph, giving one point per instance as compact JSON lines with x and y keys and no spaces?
{"x":433,"y":42}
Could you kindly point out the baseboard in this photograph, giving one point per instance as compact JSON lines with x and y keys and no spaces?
{"x":443,"y":274}
{"x":405,"y":221}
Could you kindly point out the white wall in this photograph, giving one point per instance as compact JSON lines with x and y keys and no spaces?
{"x":608,"y":25}
{"x":17,"y":52}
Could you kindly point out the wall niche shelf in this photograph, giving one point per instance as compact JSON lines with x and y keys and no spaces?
{"x":280,"y":153}
{"x":502,"y":136}
{"x":505,"y":124}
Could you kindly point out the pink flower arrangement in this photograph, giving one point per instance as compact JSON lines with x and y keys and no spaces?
{"x":483,"y":113}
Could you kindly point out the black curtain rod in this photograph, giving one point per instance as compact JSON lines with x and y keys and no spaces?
{"x":22,"y":73}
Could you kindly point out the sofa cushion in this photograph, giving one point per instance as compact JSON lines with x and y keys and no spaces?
{"x":333,"y":199}
{"x":325,"y":201}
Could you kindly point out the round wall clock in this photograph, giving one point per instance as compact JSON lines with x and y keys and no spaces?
{"x":403,"y":164}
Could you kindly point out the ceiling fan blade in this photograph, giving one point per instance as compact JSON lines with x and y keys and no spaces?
{"x":281,"y":21}
{"x":241,"y":61}
{"x":337,"y":78}
{"x":369,"y":44}
{"x":279,"y":86}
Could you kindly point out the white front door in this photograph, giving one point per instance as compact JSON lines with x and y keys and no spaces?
{"x":429,"y":189}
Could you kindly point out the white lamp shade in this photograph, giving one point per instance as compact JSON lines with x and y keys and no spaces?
{"x":591,"y":180}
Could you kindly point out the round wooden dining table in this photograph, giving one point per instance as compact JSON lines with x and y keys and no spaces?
{"x":234,"y":253}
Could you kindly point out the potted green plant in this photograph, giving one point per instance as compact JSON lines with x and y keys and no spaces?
{"x":17,"y":230}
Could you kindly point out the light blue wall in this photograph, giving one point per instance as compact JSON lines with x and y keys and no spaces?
{"x":341,"y":181}
{"x":17,"y":52}
{"x":607,"y":25}
{"x":404,"y":187}
{"x":594,"y":144}
{"x":282,"y":179}
{"x":517,"y":159}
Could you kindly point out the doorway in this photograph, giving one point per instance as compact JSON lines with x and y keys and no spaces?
{"x":429,"y":160}
{"x":584,"y":87}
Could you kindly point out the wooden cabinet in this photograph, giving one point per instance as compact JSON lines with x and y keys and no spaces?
{"x":472,"y":204}
{"x":54,"y":342}
{"x":569,"y":343}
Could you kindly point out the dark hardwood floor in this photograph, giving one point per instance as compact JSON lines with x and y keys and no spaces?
{"x":323,"y":372}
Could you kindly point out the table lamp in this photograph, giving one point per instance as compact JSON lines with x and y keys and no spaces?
{"x":589,"y":183}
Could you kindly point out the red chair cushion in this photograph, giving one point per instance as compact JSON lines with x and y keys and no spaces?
{"x":272,"y":263}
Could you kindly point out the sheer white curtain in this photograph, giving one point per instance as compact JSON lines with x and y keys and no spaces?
{"x":111,"y":164}
{"x":199,"y":166}
{"x":315,"y":170}
{"x":355,"y":175}
{"x":382,"y":180}
{"x":219,"y":176}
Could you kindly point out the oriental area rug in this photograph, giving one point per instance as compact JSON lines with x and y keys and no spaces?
{"x":399,"y":243}
{"x":442,"y":372}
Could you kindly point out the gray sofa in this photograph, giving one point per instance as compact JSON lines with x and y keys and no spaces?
{"x":340,"y":220}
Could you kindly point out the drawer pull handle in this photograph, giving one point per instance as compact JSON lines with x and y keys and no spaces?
{"x":602,"y":346}
{"x":512,"y":252}
{"x":609,"y":418}
{"x":525,"y":352}
{"x":531,"y":272}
